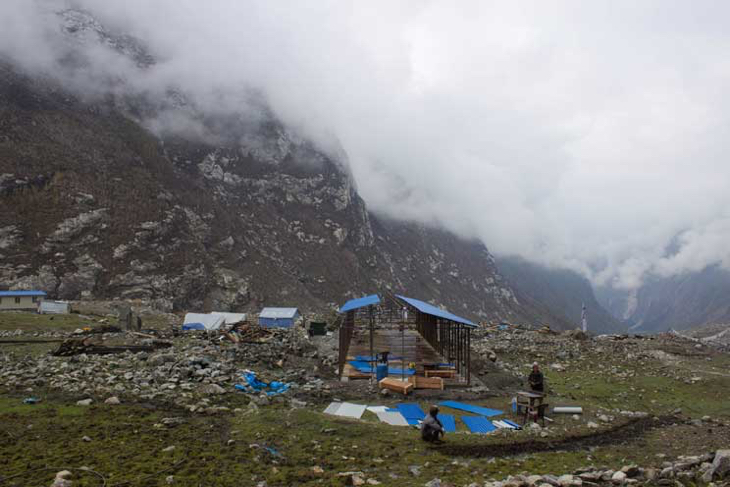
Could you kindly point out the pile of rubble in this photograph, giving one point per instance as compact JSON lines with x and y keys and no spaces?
{"x":686,"y":470}
{"x":512,"y":348}
{"x":193,"y":373}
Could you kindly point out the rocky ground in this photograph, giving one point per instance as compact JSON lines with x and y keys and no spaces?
{"x":655,"y":412}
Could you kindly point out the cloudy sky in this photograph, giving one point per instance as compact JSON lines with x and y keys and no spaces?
{"x":591,"y":135}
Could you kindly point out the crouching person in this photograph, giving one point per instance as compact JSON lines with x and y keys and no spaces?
{"x":431,"y":428}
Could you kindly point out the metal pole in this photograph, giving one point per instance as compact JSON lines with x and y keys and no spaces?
{"x":372,"y":361}
{"x":403,"y":345}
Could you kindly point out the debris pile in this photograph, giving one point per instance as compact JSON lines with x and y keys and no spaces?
{"x":196,"y":374}
{"x":77,"y":346}
{"x":686,"y":470}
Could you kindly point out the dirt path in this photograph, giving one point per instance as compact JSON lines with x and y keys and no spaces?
{"x":624,"y":433}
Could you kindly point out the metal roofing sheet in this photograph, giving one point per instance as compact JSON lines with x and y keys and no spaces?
{"x":448,"y":421}
{"x":22,"y":293}
{"x":411,"y":411}
{"x":432,"y":310}
{"x":478,"y":424}
{"x":278,"y":313}
{"x":471,"y":408}
{"x":360,"y":303}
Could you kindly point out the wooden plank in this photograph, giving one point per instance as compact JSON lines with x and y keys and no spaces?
{"x":447,"y":374}
{"x":352,"y":373}
{"x":426,"y":383}
{"x":396,"y":385}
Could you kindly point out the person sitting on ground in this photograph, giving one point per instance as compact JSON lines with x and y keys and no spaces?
{"x":536,"y":379}
{"x":431,"y":428}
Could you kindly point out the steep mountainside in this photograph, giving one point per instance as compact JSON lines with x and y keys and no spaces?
{"x":678,"y":302}
{"x":561,"y":292}
{"x":95,"y":205}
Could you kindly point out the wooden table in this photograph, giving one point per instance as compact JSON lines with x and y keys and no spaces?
{"x":533,"y":404}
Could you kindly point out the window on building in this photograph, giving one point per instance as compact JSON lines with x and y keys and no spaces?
{"x":17,"y":300}
{"x":35,"y":299}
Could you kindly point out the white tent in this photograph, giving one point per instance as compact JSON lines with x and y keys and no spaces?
{"x":230,"y":318}
{"x":200,"y":321}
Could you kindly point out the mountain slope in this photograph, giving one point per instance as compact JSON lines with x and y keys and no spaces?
{"x":679,"y":302}
{"x":561,"y":292}
{"x":101,"y":207}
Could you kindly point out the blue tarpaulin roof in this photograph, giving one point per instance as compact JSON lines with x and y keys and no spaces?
{"x":360,"y":303}
{"x":22,"y":293}
{"x":434,"y":311}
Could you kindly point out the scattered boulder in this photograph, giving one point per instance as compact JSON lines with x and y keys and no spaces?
{"x":721,"y":465}
{"x":618,"y":477}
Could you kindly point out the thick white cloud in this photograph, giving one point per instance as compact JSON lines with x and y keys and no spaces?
{"x":583,"y":134}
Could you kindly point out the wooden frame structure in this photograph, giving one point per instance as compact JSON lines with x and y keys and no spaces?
{"x":448,"y":334}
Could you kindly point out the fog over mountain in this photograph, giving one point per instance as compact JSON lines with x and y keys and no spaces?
{"x":591,"y":136}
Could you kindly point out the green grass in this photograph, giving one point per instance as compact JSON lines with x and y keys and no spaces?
{"x":30,"y":321}
{"x":127,"y":445}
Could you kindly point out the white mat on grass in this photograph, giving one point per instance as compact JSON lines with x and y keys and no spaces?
{"x":346,"y":409}
{"x":332,"y":408}
{"x":392,"y":418}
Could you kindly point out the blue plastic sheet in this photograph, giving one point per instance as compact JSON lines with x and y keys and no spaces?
{"x":470,"y":408}
{"x":193,"y":326}
{"x":367,"y":358}
{"x":366,"y":368}
{"x":253,"y":384}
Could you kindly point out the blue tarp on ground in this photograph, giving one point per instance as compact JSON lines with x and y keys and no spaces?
{"x":193,"y":326}
{"x":471,"y":408}
{"x":367,"y":358}
{"x":366,"y":368}
{"x":478,"y":424}
{"x":448,"y":421}
{"x":252,"y":383}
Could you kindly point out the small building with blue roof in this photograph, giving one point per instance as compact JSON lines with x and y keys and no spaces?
{"x":21,"y":300}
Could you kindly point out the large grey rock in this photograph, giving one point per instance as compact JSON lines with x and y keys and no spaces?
{"x":721,"y":464}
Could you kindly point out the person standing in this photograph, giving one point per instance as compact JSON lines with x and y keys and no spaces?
{"x":536,"y":379}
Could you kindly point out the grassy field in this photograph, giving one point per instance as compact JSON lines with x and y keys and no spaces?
{"x":128,"y":444}
{"x":29,"y":322}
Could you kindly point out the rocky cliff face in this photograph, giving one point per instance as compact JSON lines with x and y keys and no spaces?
{"x":123,"y":193}
{"x":96,"y":205}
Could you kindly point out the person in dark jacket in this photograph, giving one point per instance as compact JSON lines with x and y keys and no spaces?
{"x":536,"y":379}
{"x":431,"y":428}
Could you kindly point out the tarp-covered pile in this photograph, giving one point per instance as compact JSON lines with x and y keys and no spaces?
{"x":255,"y":385}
